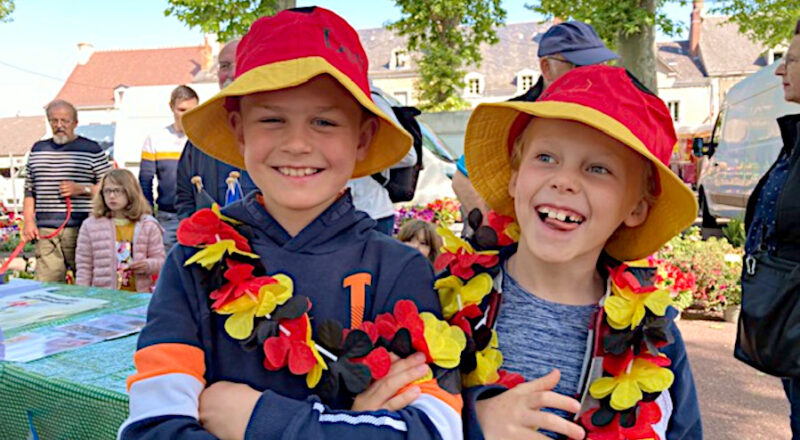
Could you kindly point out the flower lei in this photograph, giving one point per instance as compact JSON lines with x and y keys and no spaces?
{"x":265,"y":312}
{"x":633,"y":327}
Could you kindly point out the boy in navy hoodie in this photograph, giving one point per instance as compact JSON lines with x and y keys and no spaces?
{"x":583,"y":170}
{"x":230,"y":361}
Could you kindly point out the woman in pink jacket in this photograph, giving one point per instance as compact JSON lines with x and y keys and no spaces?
{"x":120,"y":246}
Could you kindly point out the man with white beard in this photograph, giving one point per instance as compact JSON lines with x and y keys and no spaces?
{"x":65,"y":165}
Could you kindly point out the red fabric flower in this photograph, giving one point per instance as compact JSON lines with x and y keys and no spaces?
{"x":377,"y":360}
{"x":405,"y":315}
{"x":240,"y":282}
{"x":461,"y":319}
{"x":460,"y":263}
{"x":500,"y":224}
{"x":292,"y":349}
{"x":625,"y":279}
{"x":509,"y":380}
{"x":204,"y":227}
{"x":648,"y":415}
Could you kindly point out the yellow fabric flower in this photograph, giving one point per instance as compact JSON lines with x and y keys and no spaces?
{"x":452,"y":290}
{"x":513,"y":231}
{"x":313,"y":376}
{"x":626,"y":389}
{"x":445,"y":341}
{"x":213,"y":253}
{"x":489,"y":361}
{"x":215,"y":209}
{"x":452,"y":244}
{"x":626,"y":308}
{"x":242,"y":310}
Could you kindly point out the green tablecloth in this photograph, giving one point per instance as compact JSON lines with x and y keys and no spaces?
{"x":78,"y":394}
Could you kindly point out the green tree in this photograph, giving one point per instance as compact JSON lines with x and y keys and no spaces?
{"x":6,"y":8}
{"x":448,"y":35}
{"x":626,"y":25}
{"x":226,"y":18}
{"x":771,"y":22}
{"x":629,"y":25}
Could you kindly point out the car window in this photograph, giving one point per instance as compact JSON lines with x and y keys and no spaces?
{"x":434,"y":144}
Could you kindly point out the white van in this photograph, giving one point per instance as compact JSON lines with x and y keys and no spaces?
{"x":745,"y":142}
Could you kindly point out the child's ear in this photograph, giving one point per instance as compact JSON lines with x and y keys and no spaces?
{"x":368,"y":129}
{"x":512,"y":183}
{"x":638,"y":215}
{"x":235,"y":122}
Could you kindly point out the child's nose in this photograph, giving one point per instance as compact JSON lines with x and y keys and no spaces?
{"x":566,"y":181}
{"x":298,"y":141}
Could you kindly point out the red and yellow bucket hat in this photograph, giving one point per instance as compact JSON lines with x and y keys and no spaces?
{"x":611,"y":101}
{"x":287,"y":50}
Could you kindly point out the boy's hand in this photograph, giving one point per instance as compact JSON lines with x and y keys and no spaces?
{"x":515,"y":414}
{"x":225,"y":409}
{"x":383,"y":393}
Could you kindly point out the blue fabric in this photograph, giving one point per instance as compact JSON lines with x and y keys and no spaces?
{"x":792,"y":389}
{"x":762,"y":227}
{"x":169,"y":221}
{"x":194,"y":162}
{"x":385,"y":225}
{"x":461,"y":164}
{"x":576,"y":41}
{"x":536,"y":336}
{"x":339,"y":243}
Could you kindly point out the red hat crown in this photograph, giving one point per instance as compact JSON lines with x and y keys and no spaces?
{"x":616,"y":93}
{"x":318,"y":33}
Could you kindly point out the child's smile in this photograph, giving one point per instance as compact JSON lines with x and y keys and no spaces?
{"x":559,"y":218}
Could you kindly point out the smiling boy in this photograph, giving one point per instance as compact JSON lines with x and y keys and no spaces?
{"x":583,"y":170}
{"x":299,"y":118}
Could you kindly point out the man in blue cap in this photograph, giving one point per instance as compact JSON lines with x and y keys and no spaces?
{"x":562,"y":48}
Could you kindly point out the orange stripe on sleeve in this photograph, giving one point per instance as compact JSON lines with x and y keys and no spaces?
{"x":160,"y":359}
{"x":432,"y":388}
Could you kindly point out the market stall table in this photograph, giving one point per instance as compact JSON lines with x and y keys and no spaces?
{"x":76,"y":394}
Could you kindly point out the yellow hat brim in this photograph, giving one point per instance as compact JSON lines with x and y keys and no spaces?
{"x":207,"y":124}
{"x":488,"y":163}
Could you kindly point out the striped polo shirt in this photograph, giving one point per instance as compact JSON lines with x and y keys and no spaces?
{"x":81,"y":161}
{"x":160,"y":154}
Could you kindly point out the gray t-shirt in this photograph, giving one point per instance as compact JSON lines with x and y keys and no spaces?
{"x":536,"y":336}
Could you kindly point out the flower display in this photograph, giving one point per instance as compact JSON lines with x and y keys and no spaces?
{"x":442,"y":212}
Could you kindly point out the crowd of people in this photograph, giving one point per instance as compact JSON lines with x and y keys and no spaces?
{"x":270,"y":215}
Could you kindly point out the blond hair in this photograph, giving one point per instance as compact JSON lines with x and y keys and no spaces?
{"x":137,"y":204}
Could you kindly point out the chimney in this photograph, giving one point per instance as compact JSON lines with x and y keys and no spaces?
{"x":694,"y":32}
{"x":207,"y":53}
{"x":85,"y":51}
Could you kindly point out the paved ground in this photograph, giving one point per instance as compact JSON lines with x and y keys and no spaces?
{"x":736,"y":401}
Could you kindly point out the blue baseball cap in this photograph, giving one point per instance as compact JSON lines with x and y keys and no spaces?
{"x":577,"y":41}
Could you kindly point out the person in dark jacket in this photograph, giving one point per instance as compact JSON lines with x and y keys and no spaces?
{"x":203,"y":180}
{"x":302,"y":131}
{"x":772,"y":210}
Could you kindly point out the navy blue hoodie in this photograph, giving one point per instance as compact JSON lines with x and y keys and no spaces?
{"x":183,"y":347}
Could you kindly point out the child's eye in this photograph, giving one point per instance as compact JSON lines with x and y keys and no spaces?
{"x":270,"y":120}
{"x":599,"y":169}
{"x":324,"y":123}
{"x":546,"y":158}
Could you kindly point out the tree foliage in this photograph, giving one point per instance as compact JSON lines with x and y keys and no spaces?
{"x":771,"y":22}
{"x":6,"y":8}
{"x":448,"y":35}
{"x":226,"y":18}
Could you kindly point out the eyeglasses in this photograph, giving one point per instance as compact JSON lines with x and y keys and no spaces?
{"x":57,"y":122}
{"x":113,"y":191}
